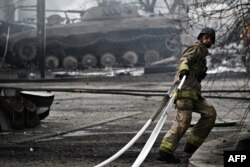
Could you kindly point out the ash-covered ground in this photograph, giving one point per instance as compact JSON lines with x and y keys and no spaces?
{"x":101,"y":124}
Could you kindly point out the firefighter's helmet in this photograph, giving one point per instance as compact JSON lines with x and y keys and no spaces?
{"x":209,"y":31}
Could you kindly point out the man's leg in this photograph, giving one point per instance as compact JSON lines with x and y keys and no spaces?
{"x":202,"y":128}
{"x":179,"y":127}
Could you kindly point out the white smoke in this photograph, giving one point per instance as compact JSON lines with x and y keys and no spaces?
{"x":64,"y":4}
{"x":71,"y":4}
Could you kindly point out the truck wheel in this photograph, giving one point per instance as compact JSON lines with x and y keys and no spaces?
{"x":89,"y":61}
{"x":51,"y":62}
{"x":70,"y":63}
{"x":172,"y":43}
{"x":131,"y":58}
{"x":151,"y":56}
{"x":108,"y":60}
{"x":27,"y":51}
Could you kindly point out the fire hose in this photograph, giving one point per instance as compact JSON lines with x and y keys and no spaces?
{"x":147,"y":147}
{"x":162,"y":107}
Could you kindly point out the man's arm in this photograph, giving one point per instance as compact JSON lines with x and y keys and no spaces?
{"x":186,"y":60}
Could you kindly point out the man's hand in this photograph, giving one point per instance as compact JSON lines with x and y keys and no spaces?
{"x":182,"y":73}
{"x":203,"y":74}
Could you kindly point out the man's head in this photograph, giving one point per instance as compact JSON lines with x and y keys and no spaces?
{"x":207,"y":37}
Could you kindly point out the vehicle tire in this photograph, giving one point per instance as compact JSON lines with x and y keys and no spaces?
{"x":151,"y":56}
{"x":27,"y":51}
{"x":131,"y":58}
{"x":172,"y":43}
{"x":89,"y":61}
{"x":70,"y":63}
{"x":108,"y":60}
{"x":51,"y":62}
{"x":31,"y":119}
{"x":18,"y":120}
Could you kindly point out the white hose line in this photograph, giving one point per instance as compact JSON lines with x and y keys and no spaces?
{"x":138,"y":135}
{"x":182,"y":82}
{"x":127,"y":146}
{"x":147,"y":147}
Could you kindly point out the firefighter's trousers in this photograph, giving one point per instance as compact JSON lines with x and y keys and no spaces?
{"x":199,"y":132}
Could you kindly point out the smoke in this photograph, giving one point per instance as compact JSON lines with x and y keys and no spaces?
{"x":62,"y":5}
{"x":65,"y":4}
{"x":71,"y":4}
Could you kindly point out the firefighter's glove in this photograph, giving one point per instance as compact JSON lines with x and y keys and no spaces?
{"x":203,"y":74}
{"x":182,"y":73}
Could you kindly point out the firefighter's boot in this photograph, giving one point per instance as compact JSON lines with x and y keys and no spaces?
{"x":167,"y":157}
{"x":190,"y":148}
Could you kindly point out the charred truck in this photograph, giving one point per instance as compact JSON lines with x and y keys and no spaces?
{"x":109,"y":35}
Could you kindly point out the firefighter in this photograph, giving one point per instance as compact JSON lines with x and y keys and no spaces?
{"x":193,"y":65}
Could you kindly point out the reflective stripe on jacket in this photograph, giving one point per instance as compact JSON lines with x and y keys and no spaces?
{"x":194,"y":60}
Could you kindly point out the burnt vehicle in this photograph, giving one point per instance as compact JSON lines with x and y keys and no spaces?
{"x":23,"y":109}
{"x":109,"y":35}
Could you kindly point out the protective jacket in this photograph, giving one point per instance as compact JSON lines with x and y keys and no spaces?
{"x":194,"y":60}
{"x":189,"y":100}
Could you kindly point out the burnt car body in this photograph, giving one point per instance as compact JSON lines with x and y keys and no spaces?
{"x":111,"y":34}
{"x":21,"y":115}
